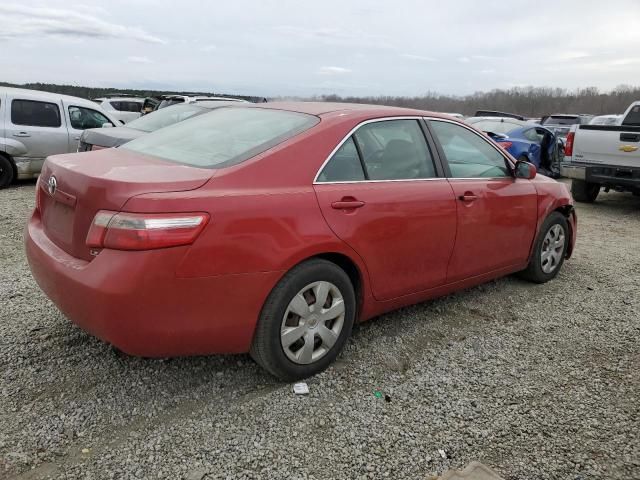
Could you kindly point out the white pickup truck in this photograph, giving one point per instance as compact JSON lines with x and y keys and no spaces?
{"x":604,"y":156}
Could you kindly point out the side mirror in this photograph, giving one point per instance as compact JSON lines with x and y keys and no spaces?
{"x":525,"y":170}
{"x":107,"y":125}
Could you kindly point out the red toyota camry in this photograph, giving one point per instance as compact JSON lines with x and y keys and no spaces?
{"x":272,"y":229}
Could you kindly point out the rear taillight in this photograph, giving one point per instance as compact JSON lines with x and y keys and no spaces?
{"x":144,"y":231}
{"x":568,"y":145}
{"x":505,"y":145}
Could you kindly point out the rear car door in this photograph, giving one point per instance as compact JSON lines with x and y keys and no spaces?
{"x":38,"y":125}
{"x":383,"y":194}
{"x":81,"y":118}
{"x":496,"y":212}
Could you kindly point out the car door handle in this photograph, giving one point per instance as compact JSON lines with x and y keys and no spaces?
{"x":468,"y":197}
{"x":22,"y":134}
{"x":345,"y":204}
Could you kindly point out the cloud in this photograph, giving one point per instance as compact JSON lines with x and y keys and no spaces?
{"x":28,"y":22}
{"x":134,"y":59}
{"x":209,"y":48}
{"x":464,"y":59}
{"x":420,"y":58}
{"x":333,"y":70}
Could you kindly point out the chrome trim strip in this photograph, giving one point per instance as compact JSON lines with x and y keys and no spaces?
{"x":383,"y":119}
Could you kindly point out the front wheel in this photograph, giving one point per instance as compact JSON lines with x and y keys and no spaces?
{"x":549,"y":250}
{"x":305,"y":321}
{"x":585,"y":192}
{"x":6,"y":172}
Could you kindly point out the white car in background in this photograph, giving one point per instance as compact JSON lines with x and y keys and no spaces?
{"x":123,"y":108}
{"x":35,"y":124}
{"x":168,"y":100}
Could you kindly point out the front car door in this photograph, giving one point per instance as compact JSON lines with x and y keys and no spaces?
{"x":496,"y":212}
{"x":382,"y":194}
{"x":37,"y":127}
{"x":81,"y":118}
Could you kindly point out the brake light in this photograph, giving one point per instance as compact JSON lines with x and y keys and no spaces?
{"x":505,"y":145}
{"x":568,"y":146}
{"x":144,"y":231}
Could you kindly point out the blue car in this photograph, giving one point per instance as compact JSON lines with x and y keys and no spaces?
{"x":524,"y":141}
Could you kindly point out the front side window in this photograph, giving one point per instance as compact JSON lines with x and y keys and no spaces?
{"x":223,"y":137}
{"x":468,"y":154}
{"x":83,"y":118}
{"x":344,"y":165}
{"x":35,"y":114}
{"x":395,"y":150}
{"x":533,"y":135}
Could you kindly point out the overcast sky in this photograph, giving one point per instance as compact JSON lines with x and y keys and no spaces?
{"x":298,"y":47}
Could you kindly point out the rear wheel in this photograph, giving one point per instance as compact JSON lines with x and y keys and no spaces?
{"x":549,"y":250}
{"x":585,"y":192}
{"x":305,"y":321}
{"x":6,"y":172}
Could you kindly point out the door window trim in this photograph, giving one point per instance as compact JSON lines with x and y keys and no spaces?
{"x":445,"y":162}
{"x":431,"y":145}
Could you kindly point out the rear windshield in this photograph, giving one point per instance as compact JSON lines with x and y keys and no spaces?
{"x":224,"y":137}
{"x":165,"y":117}
{"x":633,"y":117}
{"x":553,"y":120}
{"x":495,"y":126}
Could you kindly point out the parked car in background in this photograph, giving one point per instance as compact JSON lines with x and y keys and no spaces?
{"x":124,"y":108}
{"x":168,"y":100}
{"x":606,"y":120}
{"x":561,"y":123}
{"x":458,"y":116}
{"x":35,"y":124}
{"x":272,"y":229}
{"x":524,"y":141}
{"x":604,"y":156}
{"x":493,"y":113}
{"x":98,"y":138}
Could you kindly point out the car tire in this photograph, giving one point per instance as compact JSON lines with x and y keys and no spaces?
{"x":284,"y":318}
{"x":584,"y":192}
{"x":549,"y":250}
{"x":6,"y":172}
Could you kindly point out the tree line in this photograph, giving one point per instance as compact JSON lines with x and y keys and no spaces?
{"x":526,"y":101}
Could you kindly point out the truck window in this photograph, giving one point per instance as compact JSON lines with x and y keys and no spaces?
{"x":633,"y":117}
{"x":83,"y":118}
{"x":35,"y":114}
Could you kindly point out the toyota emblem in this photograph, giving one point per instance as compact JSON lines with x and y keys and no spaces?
{"x":52,"y":185}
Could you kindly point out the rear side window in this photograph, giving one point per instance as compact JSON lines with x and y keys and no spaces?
{"x":469,"y":155}
{"x":224,"y":137}
{"x":344,"y":165}
{"x":395,"y":150}
{"x":633,"y":117}
{"x":123,"y":106}
{"x":35,"y":114}
{"x":83,"y":118}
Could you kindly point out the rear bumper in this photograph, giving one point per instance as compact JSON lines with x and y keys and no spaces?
{"x":606,"y":175}
{"x":134,"y":301}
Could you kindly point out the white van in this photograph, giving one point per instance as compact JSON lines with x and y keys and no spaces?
{"x":34,"y":125}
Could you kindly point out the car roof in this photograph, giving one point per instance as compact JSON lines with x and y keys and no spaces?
{"x":119,"y":99}
{"x":347,"y":109}
{"x":47,"y":96}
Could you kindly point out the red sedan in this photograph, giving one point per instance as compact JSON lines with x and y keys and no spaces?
{"x":272,"y":229}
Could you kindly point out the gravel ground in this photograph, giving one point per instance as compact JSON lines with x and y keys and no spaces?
{"x":536,"y":381}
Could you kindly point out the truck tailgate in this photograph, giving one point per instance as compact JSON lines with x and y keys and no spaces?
{"x":607,"y":145}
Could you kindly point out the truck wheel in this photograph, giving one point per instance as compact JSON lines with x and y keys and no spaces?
{"x":549,"y":250}
{"x":584,"y":191}
{"x":305,"y":321}
{"x":6,"y":172}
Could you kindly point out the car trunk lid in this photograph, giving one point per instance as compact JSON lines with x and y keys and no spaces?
{"x":72,"y":188}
